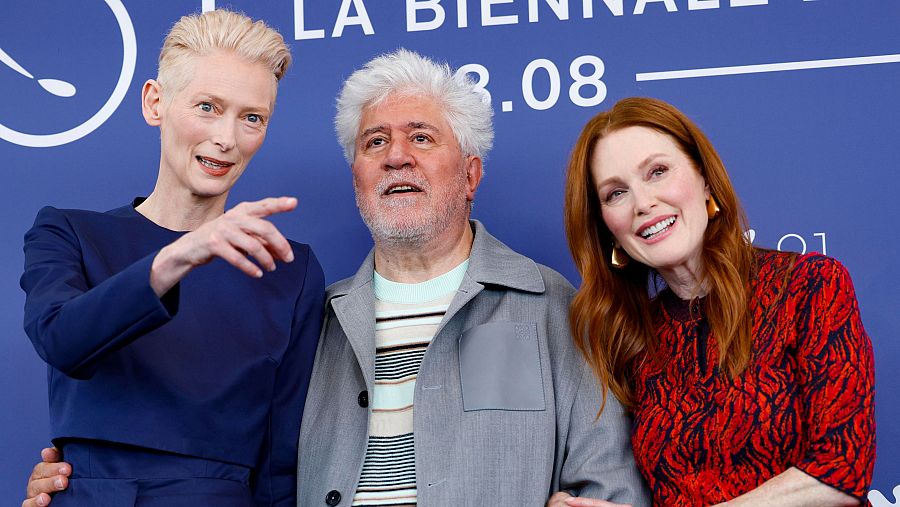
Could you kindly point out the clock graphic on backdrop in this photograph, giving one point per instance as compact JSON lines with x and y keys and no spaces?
{"x":58,"y":86}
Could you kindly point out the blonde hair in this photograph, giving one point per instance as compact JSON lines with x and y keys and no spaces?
{"x":218,"y":30}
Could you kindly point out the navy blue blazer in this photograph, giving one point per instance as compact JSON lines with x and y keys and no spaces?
{"x":217,"y":368}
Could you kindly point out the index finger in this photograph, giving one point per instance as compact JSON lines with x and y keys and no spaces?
{"x":268,"y":206}
{"x":51,"y":455}
{"x":45,"y":470}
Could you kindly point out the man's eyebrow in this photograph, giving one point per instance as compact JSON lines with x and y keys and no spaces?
{"x":421,"y":125}
{"x":371,"y":130}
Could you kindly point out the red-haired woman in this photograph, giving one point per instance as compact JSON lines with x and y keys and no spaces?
{"x":748,"y":371}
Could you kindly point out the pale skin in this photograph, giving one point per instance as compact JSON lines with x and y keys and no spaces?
{"x":209,"y":132}
{"x":220,"y":115}
{"x":643,"y":177}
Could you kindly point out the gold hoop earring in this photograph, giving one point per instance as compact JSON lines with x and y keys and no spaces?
{"x":619,"y":258}
{"x":712,"y":207}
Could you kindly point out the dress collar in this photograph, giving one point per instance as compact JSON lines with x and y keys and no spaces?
{"x":682,"y":310}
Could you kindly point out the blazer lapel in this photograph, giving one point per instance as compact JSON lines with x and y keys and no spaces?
{"x":467,"y":291}
{"x":491,"y":262}
{"x":353,"y":302}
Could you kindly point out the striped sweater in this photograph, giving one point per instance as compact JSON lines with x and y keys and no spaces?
{"x":407,"y":317}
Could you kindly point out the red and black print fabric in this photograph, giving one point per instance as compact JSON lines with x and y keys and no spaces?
{"x":805,"y":400}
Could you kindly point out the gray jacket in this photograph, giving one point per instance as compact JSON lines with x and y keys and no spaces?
{"x":505,"y":407}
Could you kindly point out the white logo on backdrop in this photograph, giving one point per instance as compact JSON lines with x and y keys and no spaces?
{"x":878,"y":499}
{"x":62,"y":88}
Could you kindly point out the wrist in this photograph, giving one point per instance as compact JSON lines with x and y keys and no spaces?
{"x":167,"y":269}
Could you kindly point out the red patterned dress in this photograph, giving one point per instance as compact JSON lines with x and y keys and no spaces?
{"x":805,"y":400}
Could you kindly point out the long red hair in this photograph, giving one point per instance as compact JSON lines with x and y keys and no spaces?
{"x":612,"y":313}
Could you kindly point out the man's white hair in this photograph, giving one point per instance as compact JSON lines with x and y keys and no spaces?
{"x":405,"y":72}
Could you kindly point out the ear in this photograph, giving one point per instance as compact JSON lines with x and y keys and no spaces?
{"x":151,"y":99}
{"x":473,"y":176}
{"x":706,"y":191}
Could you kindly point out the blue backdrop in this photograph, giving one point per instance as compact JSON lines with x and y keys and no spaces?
{"x":801,"y":98}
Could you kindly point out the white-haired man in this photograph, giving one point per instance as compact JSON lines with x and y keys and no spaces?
{"x":446,"y":374}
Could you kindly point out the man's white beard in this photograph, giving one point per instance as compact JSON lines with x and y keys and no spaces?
{"x":402,"y":225}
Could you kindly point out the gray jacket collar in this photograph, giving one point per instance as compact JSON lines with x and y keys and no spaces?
{"x":490,"y":263}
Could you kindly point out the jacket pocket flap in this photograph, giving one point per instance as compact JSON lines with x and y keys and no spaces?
{"x":500,"y":367}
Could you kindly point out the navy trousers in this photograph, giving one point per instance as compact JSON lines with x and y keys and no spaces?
{"x":106,"y":474}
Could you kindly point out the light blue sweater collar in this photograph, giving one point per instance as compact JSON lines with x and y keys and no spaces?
{"x":417,"y":293}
